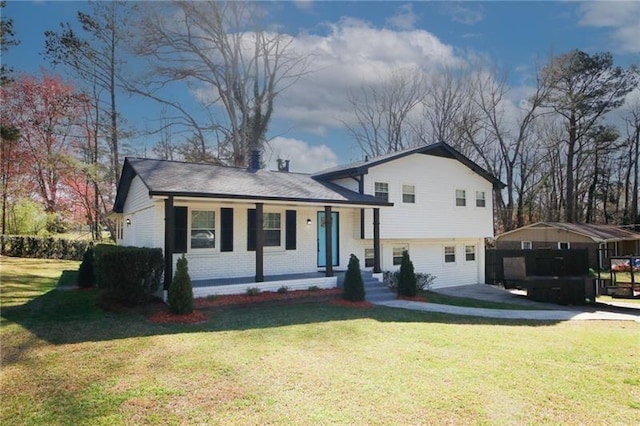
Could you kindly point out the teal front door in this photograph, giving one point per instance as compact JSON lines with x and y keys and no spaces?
{"x":322,"y":239}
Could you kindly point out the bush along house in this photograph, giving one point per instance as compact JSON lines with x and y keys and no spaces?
{"x":252,"y":227}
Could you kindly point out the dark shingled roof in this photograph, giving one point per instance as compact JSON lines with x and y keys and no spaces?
{"x":598,"y":233}
{"x":439,"y":149}
{"x":222,"y":182}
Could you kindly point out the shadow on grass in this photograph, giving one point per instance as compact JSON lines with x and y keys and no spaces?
{"x":63,"y":317}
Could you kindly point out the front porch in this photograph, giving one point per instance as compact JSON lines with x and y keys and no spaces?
{"x":222,"y":286}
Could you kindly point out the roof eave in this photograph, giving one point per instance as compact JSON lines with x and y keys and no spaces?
{"x":254,"y":198}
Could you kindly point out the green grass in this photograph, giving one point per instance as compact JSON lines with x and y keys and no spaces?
{"x":443,"y":299}
{"x":607,"y":299}
{"x":65,"y":362}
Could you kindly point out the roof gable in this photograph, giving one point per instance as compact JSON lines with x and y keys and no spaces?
{"x":439,"y":149}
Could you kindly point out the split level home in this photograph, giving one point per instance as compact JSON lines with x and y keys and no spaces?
{"x":251,"y":227}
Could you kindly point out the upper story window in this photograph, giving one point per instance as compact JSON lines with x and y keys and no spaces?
{"x":526,"y":245}
{"x":381,"y":190}
{"x":480,"y":199}
{"x":408,"y":194}
{"x":203,"y":229}
{"x":449,"y":254}
{"x":564,"y":245}
{"x":461,"y":197}
{"x":272,"y":225}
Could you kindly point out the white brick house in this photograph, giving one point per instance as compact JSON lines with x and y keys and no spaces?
{"x":429,"y":200}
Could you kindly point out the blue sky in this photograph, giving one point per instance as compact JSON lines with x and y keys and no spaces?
{"x":360,"y":39}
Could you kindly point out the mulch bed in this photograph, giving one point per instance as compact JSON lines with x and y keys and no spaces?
{"x":333,"y":296}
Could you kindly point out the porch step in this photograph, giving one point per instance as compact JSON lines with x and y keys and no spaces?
{"x":375,"y":291}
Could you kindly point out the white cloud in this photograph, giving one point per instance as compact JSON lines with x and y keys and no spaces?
{"x":303,"y":4}
{"x":463,"y":14}
{"x":303,"y":157}
{"x":350,"y":54}
{"x":404,"y":19}
{"x":622,"y":17}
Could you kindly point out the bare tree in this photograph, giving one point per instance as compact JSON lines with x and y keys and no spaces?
{"x":444,"y":108}
{"x":582,"y":88}
{"x":221,"y":51}
{"x":501,"y":136}
{"x":383,"y":111}
{"x":632,"y":160}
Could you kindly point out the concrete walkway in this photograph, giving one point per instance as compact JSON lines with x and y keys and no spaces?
{"x":545,"y":311}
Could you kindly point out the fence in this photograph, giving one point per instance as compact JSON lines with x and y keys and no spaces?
{"x":541,"y":262}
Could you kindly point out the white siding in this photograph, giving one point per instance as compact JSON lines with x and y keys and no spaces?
{"x":348,"y":183}
{"x":207,"y":264}
{"x":143,"y":215}
{"x":138,"y":196}
{"x":428,"y":257}
{"x":434,"y":213}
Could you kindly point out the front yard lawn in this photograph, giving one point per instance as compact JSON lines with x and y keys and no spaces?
{"x":66,"y":362}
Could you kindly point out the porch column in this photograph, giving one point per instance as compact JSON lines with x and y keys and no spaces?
{"x":169,"y":243}
{"x":328,"y":224}
{"x":259,"y":243}
{"x":376,"y":240}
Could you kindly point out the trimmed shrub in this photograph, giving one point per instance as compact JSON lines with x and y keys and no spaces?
{"x":181,"y":292}
{"x":353,"y":288}
{"x":252,"y":291}
{"x":132,"y":274}
{"x":86,"y":275}
{"x":42,"y":247}
{"x":407,"y":277}
{"x":423,"y":281}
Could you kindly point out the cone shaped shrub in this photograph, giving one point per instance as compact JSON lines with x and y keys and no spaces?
{"x":86,"y":274}
{"x":181,"y":291}
{"x":407,"y":279}
{"x":353,"y":285}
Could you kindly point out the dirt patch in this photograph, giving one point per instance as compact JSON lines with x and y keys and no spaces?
{"x":267,"y":296}
{"x":166,"y":317}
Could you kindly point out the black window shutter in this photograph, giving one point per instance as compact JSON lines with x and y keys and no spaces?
{"x":226,"y":229}
{"x":251,"y":229}
{"x":290,"y":229}
{"x":180,"y":230}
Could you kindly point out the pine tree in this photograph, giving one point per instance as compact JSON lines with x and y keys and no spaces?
{"x":86,"y":275}
{"x":407,"y":280}
{"x":181,"y":291}
{"x":353,"y":289}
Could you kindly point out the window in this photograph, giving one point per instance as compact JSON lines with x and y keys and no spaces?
{"x":564,"y":245}
{"x":461,"y":197}
{"x":449,"y":254}
{"x":271,"y":227}
{"x":368,"y":258}
{"x":470,"y":253}
{"x":480,"y":199}
{"x":408,"y":194}
{"x":398,"y":251}
{"x":203,"y":229}
{"x":382,"y":190}
{"x":526,"y":245}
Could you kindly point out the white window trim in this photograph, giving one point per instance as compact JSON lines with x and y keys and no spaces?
{"x":404,"y":246}
{"x":402,"y":193}
{"x":568,"y":243}
{"x":475,"y":253}
{"x":483,"y":199}
{"x":455,"y":255}
{"x":455,"y":200}
{"x":216,"y":224}
{"x":364,"y":263}
{"x":388,"y":190}
{"x":281,"y":247}
{"x":522,"y":247}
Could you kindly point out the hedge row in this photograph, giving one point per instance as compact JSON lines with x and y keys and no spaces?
{"x":132,"y":274}
{"x":42,"y":247}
